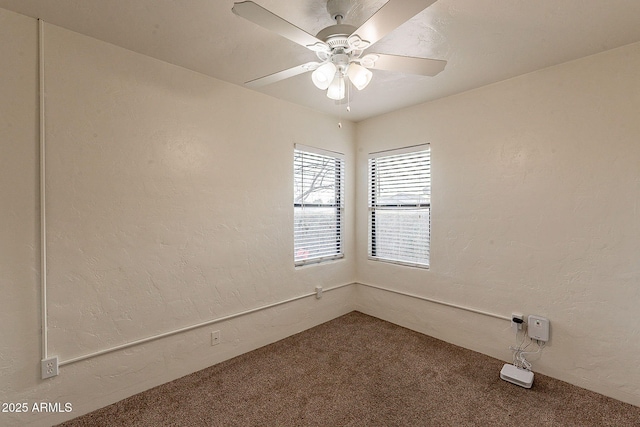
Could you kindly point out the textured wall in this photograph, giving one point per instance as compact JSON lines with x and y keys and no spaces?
{"x":169,"y":203}
{"x":170,"y":196}
{"x":535,"y":209}
{"x":19,"y":223}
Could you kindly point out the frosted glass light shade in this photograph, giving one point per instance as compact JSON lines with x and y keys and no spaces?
{"x":359,"y":76}
{"x":323,"y":75}
{"x":337,"y":88}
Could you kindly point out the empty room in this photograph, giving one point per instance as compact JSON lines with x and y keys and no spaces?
{"x":343,"y":212}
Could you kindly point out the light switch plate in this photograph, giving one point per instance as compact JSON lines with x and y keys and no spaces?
{"x":538,"y":327}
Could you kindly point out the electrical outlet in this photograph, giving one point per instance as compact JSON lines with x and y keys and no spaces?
{"x":49,"y":367}
{"x":516,"y":326}
{"x":215,"y":337}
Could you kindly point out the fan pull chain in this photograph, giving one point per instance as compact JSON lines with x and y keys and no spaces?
{"x":349,"y":96}
{"x":348,"y":105}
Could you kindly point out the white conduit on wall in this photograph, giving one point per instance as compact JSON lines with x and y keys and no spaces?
{"x":43,"y":222}
{"x":254,"y":310}
{"x":272,"y":305}
{"x":435,"y":301}
{"x":192,"y":327}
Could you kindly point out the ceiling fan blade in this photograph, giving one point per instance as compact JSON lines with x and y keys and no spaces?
{"x":405,"y":64}
{"x":390,"y":16}
{"x":266,"y":19}
{"x":281,"y":75}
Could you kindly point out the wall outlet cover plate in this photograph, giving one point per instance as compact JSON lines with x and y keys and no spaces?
{"x":49,"y":367}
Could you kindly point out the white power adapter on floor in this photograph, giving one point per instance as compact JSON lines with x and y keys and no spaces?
{"x":517,"y":376}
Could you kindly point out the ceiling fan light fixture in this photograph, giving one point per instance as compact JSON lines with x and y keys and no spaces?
{"x":324,"y":75}
{"x":359,"y":75}
{"x":336,"y":89}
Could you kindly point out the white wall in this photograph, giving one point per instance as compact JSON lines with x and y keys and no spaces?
{"x":169,"y":203}
{"x":535,"y":207}
{"x":19,"y":226}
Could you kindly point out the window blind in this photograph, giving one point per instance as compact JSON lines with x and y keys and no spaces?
{"x":318,"y":205}
{"x":400,"y":206}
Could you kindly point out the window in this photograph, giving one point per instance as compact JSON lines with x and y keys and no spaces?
{"x":400,"y":206}
{"x":317,"y":205}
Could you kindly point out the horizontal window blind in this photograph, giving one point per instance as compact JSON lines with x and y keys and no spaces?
{"x":317,"y":205}
{"x":400,"y":206}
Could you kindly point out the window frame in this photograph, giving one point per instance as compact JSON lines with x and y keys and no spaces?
{"x":338,"y":203}
{"x":374,"y":207}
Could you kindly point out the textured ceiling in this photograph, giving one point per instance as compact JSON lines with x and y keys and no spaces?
{"x":484,"y":41}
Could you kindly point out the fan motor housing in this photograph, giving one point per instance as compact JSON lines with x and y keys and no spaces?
{"x":336,"y":35}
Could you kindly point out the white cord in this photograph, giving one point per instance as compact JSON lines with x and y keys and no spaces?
{"x":520,"y":353}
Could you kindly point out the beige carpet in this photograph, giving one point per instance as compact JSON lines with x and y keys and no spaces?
{"x":361,"y":371}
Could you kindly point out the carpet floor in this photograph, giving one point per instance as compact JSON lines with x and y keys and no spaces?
{"x":361,"y":371}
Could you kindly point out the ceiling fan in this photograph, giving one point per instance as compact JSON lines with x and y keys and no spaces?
{"x":340,"y":47}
